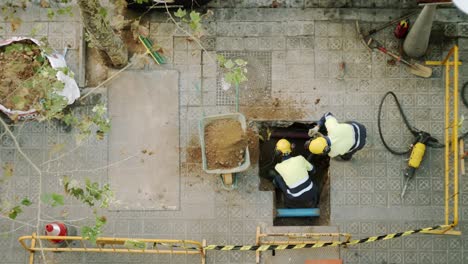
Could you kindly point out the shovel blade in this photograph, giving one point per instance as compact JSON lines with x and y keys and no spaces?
{"x":420,"y":70}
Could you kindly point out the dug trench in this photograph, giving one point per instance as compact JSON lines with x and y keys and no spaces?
{"x":269,"y":133}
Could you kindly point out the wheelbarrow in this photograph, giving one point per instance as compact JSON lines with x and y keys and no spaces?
{"x":228,"y":177}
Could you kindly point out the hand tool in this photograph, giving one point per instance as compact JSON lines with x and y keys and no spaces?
{"x":417,"y":149}
{"x":414,"y":68}
{"x":363,"y":36}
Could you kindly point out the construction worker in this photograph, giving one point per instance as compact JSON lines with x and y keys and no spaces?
{"x":339,"y":139}
{"x":293,"y":177}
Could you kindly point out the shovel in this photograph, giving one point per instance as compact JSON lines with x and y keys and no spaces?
{"x":414,"y":68}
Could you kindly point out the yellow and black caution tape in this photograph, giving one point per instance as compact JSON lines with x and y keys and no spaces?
{"x":324,"y":244}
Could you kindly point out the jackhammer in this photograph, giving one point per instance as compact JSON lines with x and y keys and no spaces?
{"x":417,"y":149}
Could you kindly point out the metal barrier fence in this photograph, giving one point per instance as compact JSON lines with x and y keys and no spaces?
{"x":451,"y":140}
{"x":116,"y":245}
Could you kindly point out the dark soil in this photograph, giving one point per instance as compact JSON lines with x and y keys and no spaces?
{"x":254,"y":148}
{"x":194,"y":155}
{"x":19,"y":62}
{"x":225,"y":143}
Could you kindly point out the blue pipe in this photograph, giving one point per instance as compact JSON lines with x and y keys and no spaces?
{"x":298,"y":212}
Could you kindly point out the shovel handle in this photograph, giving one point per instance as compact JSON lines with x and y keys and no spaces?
{"x":382,"y":49}
{"x":398,"y":58}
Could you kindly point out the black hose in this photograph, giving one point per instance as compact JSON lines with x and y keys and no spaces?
{"x":463,"y":94}
{"x":408,"y":125}
{"x":405,"y":119}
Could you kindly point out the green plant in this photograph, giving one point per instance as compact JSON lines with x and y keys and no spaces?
{"x":52,"y":199}
{"x":93,"y":232}
{"x":91,"y":194}
{"x":27,"y":85}
{"x":9,"y":10}
{"x":135,"y":244}
{"x":61,"y":11}
{"x":193,"y":20}
{"x":16,"y":210}
{"x":98,"y":119}
{"x":234,"y":70}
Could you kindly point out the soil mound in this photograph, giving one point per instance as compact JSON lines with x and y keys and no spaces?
{"x":20,"y":63}
{"x":225,"y":144}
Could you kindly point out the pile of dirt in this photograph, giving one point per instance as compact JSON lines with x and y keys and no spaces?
{"x":253,"y":141}
{"x":24,"y":77}
{"x":225,"y":143}
{"x":277,"y":109}
{"x":193,"y":151}
{"x":20,"y":63}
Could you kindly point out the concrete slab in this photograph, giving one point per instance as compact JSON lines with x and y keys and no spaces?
{"x":144,"y":107}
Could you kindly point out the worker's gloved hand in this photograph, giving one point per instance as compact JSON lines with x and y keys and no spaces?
{"x":306,"y":144}
{"x":313,"y":131}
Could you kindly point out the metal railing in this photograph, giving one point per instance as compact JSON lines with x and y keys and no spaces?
{"x":451,"y":140}
{"x":112,"y":245}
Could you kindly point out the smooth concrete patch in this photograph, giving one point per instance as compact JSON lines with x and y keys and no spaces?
{"x":144,"y":140}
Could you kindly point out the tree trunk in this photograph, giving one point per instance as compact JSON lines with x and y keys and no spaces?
{"x":101,"y":34}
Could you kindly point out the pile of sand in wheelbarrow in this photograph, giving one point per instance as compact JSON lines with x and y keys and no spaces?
{"x":225,"y":144}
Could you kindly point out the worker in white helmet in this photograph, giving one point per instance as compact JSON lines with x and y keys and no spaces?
{"x":340,"y":139}
{"x":293,"y":177}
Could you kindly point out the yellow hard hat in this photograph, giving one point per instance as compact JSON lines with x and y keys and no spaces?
{"x":318,"y":145}
{"x":283,"y":146}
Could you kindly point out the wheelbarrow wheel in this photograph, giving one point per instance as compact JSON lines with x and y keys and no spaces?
{"x":229,"y":181}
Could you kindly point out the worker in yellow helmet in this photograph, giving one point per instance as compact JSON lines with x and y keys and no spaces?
{"x":293,"y":177}
{"x":339,"y":139}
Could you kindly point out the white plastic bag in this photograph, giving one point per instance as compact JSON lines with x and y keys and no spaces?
{"x":70,"y":91}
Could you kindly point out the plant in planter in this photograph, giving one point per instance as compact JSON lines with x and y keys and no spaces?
{"x":36,"y":84}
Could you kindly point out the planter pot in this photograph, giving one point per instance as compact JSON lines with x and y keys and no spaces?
{"x":70,"y":91}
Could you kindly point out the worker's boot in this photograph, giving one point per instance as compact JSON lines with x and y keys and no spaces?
{"x":346,"y":157}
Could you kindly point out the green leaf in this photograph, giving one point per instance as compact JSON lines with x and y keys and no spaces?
{"x":66,"y":10}
{"x":40,"y":58}
{"x":58,"y":199}
{"x":221,"y":59}
{"x":14,"y":212}
{"x":52,"y":199}
{"x":103,"y":12}
{"x":26,"y":202}
{"x":180,"y":13}
{"x":229,"y":64}
{"x":135,"y":244}
{"x":229,"y":78}
{"x":50,"y":14}
{"x":195,"y":26}
{"x":91,"y":194}
{"x":92,"y":233}
{"x":8,"y":169}
{"x":195,"y":16}
{"x":240,"y":62}
{"x":70,"y":119}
